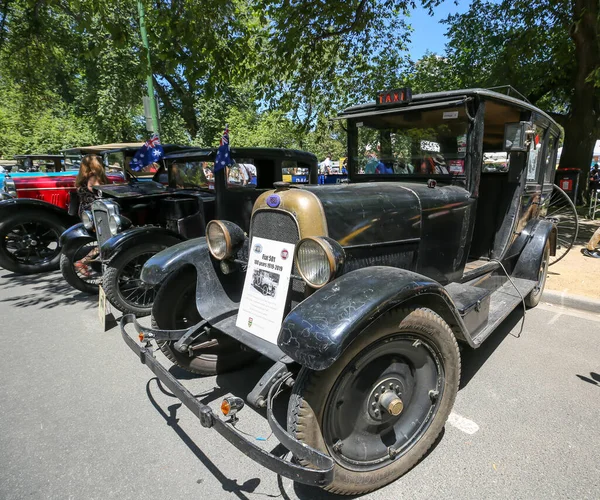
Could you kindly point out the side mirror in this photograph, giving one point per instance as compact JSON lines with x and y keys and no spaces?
{"x":515,"y":136}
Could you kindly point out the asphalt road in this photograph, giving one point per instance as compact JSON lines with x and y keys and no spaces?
{"x":81,"y":418}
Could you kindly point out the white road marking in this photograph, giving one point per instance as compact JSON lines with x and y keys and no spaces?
{"x":553,"y":320}
{"x":462,"y":423}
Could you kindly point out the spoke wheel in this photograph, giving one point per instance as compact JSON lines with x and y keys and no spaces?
{"x":561,"y":211}
{"x":30,"y":242}
{"x":379,"y":408}
{"x":83,"y":269}
{"x":122,"y":280}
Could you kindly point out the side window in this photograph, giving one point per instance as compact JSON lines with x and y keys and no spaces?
{"x":534,"y":156}
{"x":550,"y":160}
{"x":294,"y":172}
{"x":496,"y":162}
{"x":242,"y":173}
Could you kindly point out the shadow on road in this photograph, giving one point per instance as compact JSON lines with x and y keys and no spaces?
{"x":48,"y":290}
{"x":473,"y":359}
{"x":229,"y":485}
{"x":594,"y":380}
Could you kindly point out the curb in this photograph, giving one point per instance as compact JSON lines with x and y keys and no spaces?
{"x":572,"y":301}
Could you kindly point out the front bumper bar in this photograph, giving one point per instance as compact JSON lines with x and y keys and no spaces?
{"x":321,"y":472}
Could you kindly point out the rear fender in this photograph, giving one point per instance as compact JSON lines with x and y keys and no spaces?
{"x":8,"y":207}
{"x":74,"y":238}
{"x":138,"y":236}
{"x":530,"y":259}
{"x":320,"y":329}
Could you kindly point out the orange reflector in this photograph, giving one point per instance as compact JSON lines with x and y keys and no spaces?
{"x":225,"y":407}
{"x":141,"y":336}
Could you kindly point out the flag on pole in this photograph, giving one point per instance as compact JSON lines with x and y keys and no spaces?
{"x":150,"y":152}
{"x":223,"y":158}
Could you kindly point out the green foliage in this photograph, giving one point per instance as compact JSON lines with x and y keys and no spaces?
{"x":43,"y":125}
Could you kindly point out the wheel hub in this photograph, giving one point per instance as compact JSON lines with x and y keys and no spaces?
{"x":385,"y":399}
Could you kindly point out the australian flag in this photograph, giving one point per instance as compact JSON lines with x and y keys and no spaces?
{"x":223,"y":158}
{"x":149,"y":153}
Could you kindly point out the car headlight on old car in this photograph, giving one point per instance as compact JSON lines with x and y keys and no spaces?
{"x":9,"y":186}
{"x":319,"y":260}
{"x":88,"y":219}
{"x":224,"y":238}
{"x":114,"y":224}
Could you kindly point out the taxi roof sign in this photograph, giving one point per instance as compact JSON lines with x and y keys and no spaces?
{"x":396,"y":96}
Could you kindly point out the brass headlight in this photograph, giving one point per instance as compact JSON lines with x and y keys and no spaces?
{"x":319,"y":260}
{"x":224,"y":238}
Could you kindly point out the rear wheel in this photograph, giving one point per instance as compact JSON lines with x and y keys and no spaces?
{"x":534,"y":297}
{"x":30,"y":242}
{"x":83,"y":269}
{"x":561,"y":211}
{"x":122,"y":280}
{"x":175,"y":309}
{"x":380,"y":407}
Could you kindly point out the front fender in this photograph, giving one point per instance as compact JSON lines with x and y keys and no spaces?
{"x":159,"y":266}
{"x":530,"y":259}
{"x":320,"y":328}
{"x":31,"y":205}
{"x":137,"y":236}
{"x":73,"y":239}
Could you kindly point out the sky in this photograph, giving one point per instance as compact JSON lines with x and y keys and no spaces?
{"x":428,"y":34}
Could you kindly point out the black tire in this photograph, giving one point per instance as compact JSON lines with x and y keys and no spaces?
{"x":534,"y":297}
{"x":30,"y":242}
{"x":82,"y":283}
{"x":343,"y":399}
{"x":122,"y":284}
{"x":175,"y":308}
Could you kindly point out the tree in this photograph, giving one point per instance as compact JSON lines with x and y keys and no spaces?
{"x":547,"y":49}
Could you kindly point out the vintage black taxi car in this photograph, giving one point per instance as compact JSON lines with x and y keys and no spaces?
{"x":133,"y":222}
{"x":380,"y":280}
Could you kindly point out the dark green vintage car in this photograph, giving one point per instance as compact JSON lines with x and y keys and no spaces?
{"x":374,"y":284}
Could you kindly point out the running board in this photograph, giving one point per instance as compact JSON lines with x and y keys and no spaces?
{"x":502,"y":302}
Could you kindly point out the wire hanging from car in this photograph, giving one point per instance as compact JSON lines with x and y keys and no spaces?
{"x":520,"y":295}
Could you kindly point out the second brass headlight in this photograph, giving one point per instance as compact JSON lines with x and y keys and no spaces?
{"x":319,"y":260}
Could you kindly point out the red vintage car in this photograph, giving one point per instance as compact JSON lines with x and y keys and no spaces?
{"x":34,"y":213}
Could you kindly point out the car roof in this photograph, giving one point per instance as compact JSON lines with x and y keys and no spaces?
{"x":101,"y":147}
{"x":131,"y":149}
{"x":39,"y":157}
{"x":451,"y":96}
{"x":210,"y":153}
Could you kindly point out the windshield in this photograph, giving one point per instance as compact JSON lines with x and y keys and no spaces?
{"x":188,"y":174}
{"x":415,"y":143}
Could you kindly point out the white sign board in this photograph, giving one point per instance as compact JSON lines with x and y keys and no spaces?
{"x":266,"y":288}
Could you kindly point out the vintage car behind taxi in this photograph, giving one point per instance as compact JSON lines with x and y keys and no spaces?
{"x":131,"y":223}
{"x":379,"y":281}
{"x":34,"y":211}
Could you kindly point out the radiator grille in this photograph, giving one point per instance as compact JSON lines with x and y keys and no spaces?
{"x":101,"y":223}
{"x":275,"y":225}
{"x":278,"y":226}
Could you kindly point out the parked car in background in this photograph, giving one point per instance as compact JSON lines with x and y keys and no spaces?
{"x":133,"y":222}
{"x":379,"y":280}
{"x":35,"y":166}
{"x":34,"y":213}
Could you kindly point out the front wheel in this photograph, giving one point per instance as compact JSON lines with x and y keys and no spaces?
{"x":83,"y":268}
{"x":380,"y":407}
{"x":175,"y":309}
{"x":30,"y":242}
{"x":122,"y":280}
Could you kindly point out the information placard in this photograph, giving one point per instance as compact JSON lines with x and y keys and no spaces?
{"x":266,"y":288}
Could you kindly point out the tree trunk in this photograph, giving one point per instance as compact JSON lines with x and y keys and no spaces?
{"x":583,"y":124}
